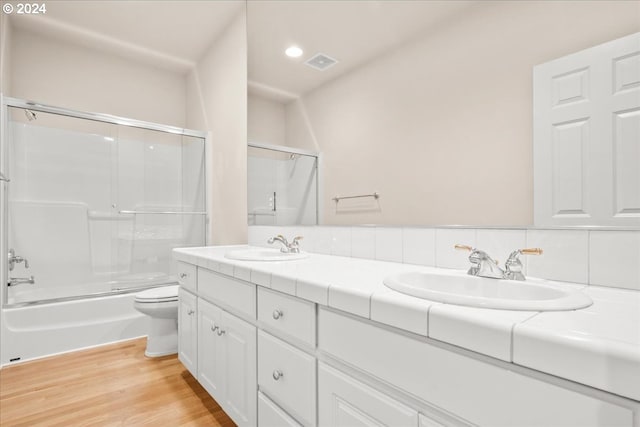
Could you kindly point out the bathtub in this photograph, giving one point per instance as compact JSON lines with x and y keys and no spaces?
{"x":34,"y":331}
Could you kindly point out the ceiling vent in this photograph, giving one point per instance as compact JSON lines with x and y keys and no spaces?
{"x":321,"y":62}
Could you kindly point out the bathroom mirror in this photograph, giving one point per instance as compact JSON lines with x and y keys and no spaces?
{"x":426,"y":104}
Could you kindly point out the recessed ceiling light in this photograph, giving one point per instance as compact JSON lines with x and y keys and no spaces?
{"x":293,"y":52}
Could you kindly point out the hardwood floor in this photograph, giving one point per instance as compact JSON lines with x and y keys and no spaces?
{"x":114,"y":385}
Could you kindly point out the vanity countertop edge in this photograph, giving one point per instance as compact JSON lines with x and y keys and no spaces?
{"x":598,"y":346}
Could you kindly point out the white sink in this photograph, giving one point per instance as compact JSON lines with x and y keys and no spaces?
{"x":463,"y":289}
{"x":264,"y":255}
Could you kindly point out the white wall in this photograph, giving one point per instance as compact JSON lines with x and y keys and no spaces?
{"x":217,"y":101}
{"x":442,"y":127}
{"x":66,"y":75}
{"x":265,"y":120}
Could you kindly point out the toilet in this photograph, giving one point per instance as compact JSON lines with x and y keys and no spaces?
{"x":161,"y":304}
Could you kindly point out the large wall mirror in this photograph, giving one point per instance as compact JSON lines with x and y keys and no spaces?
{"x":426,"y":103}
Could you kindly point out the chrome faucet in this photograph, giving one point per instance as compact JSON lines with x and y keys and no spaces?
{"x":483,"y":265}
{"x":13,"y":260}
{"x":513,"y":266}
{"x":13,"y":281}
{"x":286,"y":247}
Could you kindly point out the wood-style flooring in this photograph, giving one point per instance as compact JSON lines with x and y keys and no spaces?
{"x":113,"y":385}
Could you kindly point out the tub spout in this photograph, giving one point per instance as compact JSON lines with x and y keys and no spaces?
{"x":14,"y":281}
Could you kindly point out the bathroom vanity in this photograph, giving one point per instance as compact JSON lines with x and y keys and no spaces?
{"x":321,"y":341}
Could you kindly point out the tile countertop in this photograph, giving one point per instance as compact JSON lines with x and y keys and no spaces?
{"x":598,"y":346}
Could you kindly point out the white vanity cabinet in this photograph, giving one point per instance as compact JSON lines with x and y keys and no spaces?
{"x":346,"y":402}
{"x":473,"y":389}
{"x":272,"y":359}
{"x":288,"y":376}
{"x":188,"y":331}
{"x":227,"y":361}
{"x":271,"y":415}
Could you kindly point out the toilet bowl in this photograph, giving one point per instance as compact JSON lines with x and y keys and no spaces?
{"x":161,"y":305}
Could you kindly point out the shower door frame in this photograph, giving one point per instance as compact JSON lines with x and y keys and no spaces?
{"x":294,"y":150}
{"x":98,"y":117}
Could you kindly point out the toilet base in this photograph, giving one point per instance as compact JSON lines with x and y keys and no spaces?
{"x":163,"y":338}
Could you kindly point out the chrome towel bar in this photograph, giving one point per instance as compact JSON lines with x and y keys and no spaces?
{"x":160,"y":212}
{"x":374,"y":195}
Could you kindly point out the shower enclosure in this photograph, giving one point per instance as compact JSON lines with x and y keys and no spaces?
{"x":93,"y":204}
{"x":282,"y":184}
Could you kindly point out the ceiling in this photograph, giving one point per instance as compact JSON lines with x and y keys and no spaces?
{"x":169,"y":34}
{"x":351,"y":31}
{"x":174,"y":34}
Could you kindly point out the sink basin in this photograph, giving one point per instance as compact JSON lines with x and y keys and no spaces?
{"x":462,"y":289}
{"x":264,"y":255}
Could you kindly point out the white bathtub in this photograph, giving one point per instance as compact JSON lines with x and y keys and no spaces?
{"x":36,"y":331}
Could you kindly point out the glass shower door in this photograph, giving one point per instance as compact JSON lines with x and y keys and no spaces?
{"x":59,"y":200}
{"x":95,"y":207}
{"x":161,"y":203}
{"x":281,"y":187}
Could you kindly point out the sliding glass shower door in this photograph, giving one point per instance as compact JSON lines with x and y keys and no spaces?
{"x":282,"y":185}
{"x":96,"y":207}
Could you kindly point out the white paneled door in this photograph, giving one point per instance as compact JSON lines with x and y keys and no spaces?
{"x":587,"y":136}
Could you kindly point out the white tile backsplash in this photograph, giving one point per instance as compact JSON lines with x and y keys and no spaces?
{"x":565,"y":255}
{"x":597,"y":257}
{"x":322,"y":241}
{"x":419,"y":246}
{"x":341,"y":241}
{"x":363,"y":242}
{"x":614,"y":258}
{"x":446,"y":239}
{"x":259,"y":234}
{"x":389,"y":244}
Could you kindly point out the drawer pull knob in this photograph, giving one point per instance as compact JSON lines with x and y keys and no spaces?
{"x":183,"y":275}
{"x":277,"y":375}
{"x":220,"y":332}
{"x":190,"y":312}
{"x":277,"y":314}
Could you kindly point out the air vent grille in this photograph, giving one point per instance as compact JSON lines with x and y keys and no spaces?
{"x":321,"y":62}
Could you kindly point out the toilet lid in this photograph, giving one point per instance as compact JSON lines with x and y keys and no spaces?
{"x":163,"y":293}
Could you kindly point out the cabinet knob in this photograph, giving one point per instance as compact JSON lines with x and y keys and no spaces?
{"x":214,"y":328}
{"x":277,"y":314}
{"x":190,"y":312}
{"x":183,"y":275}
{"x":277,"y":375}
{"x":220,"y":331}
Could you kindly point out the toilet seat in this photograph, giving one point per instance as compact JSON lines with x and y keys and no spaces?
{"x":160,"y":294}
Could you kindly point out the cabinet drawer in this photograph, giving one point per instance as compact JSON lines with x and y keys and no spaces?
{"x":271,"y":415}
{"x":473,"y":389}
{"x":346,"y":402}
{"x":187,"y":275}
{"x":228,"y":292}
{"x":288,"y":376}
{"x":289,"y":315}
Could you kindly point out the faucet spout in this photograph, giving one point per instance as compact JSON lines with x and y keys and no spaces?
{"x":283,"y":241}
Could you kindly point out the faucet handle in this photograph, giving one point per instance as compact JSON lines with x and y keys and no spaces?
{"x":463,"y":247}
{"x":531,"y":251}
{"x":296,"y":240}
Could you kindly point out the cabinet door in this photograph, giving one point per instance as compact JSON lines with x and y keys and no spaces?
{"x":210,"y":339}
{"x":188,"y":331}
{"x":344,"y":401}
{"x":239,"y":356}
